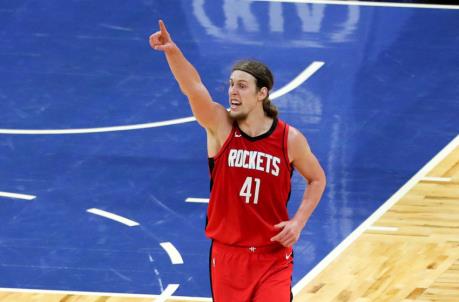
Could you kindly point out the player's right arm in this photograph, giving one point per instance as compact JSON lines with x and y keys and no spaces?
{"x":208,"y":113}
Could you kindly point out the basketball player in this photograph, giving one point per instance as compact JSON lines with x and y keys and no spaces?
{"x":252,"y":154}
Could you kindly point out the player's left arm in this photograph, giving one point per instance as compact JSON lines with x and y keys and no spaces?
{"x":308,"y":166}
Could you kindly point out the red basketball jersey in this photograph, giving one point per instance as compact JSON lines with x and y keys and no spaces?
{"x":250,"y":187}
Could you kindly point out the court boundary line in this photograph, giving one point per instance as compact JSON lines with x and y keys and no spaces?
{"x":86,"y":293}
{"x":113,"y":217}
{"x":367,"y":3}
{"x":172,"y":252}
{"x":17,"y":196}
{"x":337,"y":251}
{"x":197,"y":200}
{"x":167,"y":293}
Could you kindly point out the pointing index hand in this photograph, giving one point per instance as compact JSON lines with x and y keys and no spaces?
{"x":163,"y":29}
{"x":161,"y":40}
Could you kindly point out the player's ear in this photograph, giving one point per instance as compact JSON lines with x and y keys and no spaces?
{"x":262,"y":93}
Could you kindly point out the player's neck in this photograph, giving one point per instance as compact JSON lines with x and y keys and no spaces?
{"x":256,"y":124}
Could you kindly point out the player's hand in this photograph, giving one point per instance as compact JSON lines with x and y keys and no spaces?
{"x":289,"y":234}
{"x":161,"y":40}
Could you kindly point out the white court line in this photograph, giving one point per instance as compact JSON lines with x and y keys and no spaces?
{"x":382,"y":229}
{"x":436,"y":179}
{"x":375,"y":216}
{"x":17,"y":196}
{"x":173,"y":253}
{"x":113,"y":216}
{"x":197,"y":200}
{"x":300,"y":79}
{"x":81,"y":293}
{"x":303,"y":76}
{"x":366,"y":3}
{"x":167,"y":293}
{"x":99,"y":130}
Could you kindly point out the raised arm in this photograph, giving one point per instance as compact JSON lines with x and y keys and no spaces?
{"x":308,"y":166}
{"x":208,"y":113}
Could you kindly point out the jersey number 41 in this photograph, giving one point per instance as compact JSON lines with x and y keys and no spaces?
{"x":246,"y":190}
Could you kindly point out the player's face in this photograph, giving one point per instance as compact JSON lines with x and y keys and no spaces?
{"x":243,"y":94}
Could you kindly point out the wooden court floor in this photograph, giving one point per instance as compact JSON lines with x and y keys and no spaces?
{"x":410,"y":254}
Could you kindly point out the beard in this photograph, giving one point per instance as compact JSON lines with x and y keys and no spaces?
{"x":238,"y":116}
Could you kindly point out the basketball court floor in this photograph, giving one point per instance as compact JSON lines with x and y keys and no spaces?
{"x":103,"y":170}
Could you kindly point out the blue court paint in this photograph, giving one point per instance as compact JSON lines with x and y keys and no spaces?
{"x":383,"y":104}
